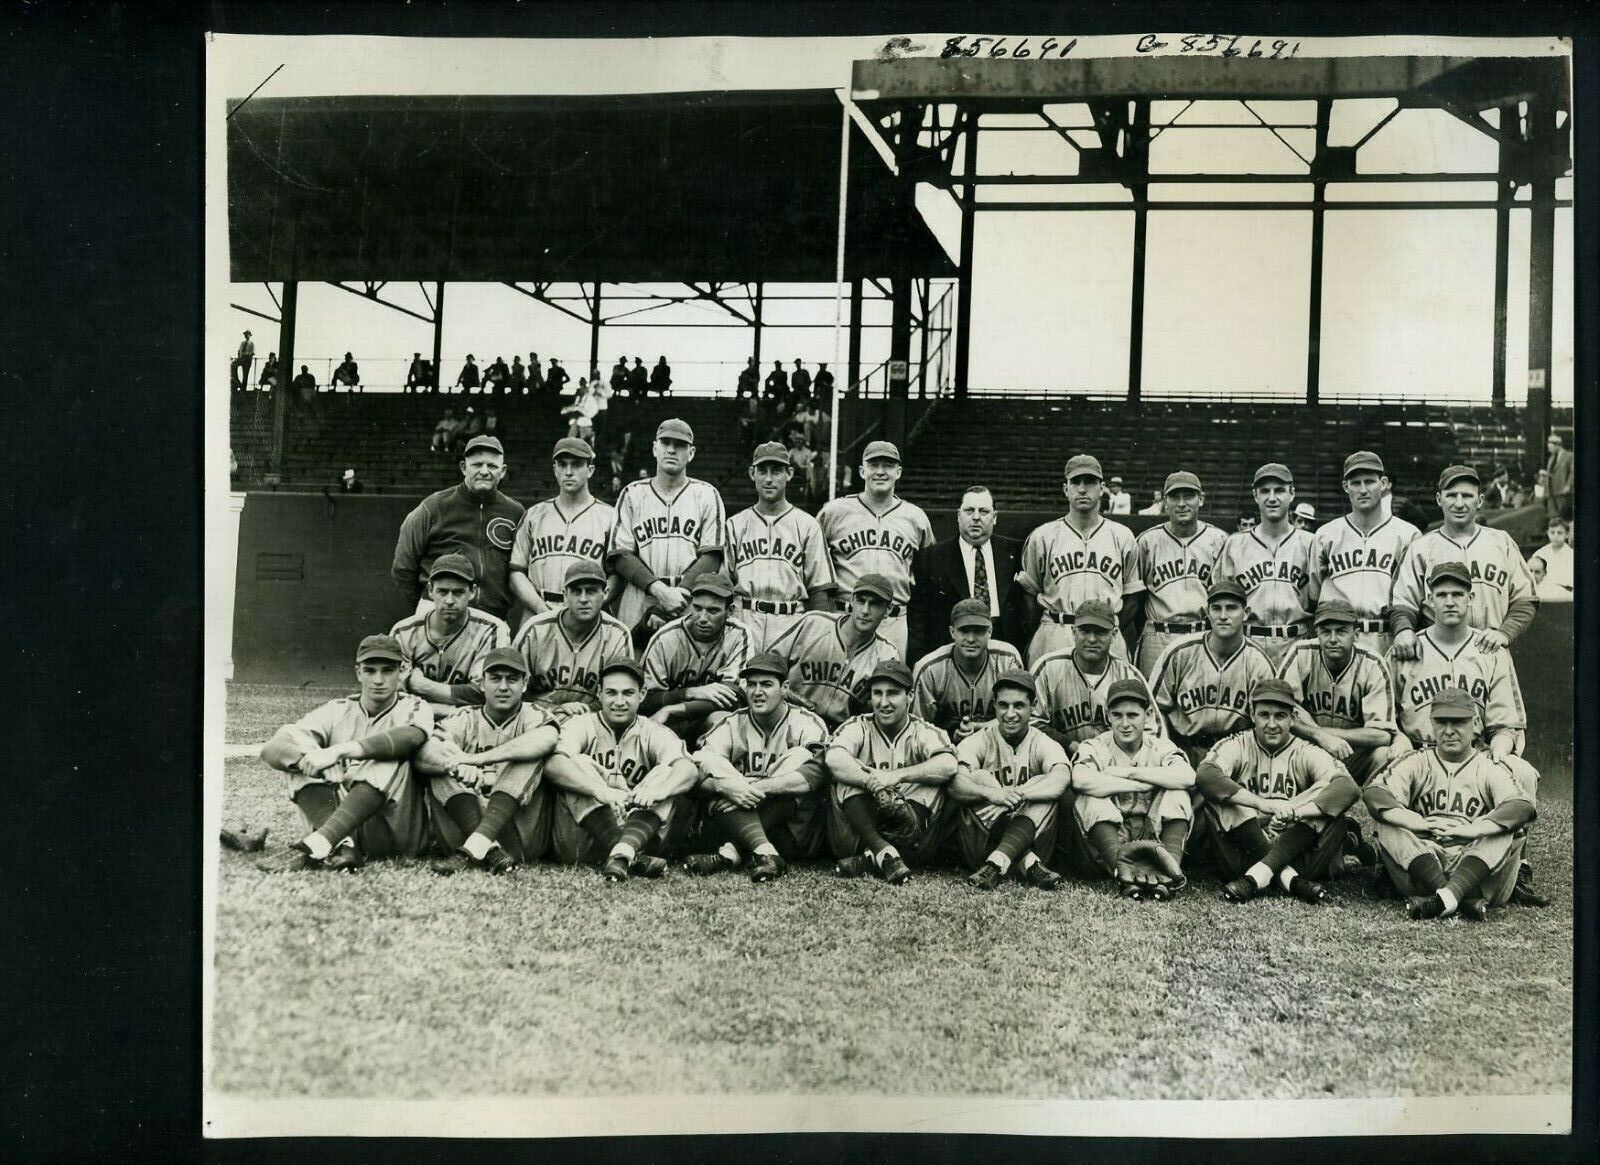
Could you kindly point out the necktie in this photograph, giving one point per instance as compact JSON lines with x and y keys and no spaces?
{"x":980,"y":577}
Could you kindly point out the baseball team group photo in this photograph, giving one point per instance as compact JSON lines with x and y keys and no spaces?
{"x":978,"y":705}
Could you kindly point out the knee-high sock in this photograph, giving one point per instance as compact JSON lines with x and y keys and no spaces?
{"x":502,"y":807}
{"x":1103,"y":840}
{"x":1015,"y":840}
{"x":1175,"y":835}
{"x":463,"y":810}
{"x":1468,"y":876}
{"x":1293,"y":841}
{"x":1426,"y":874}
{"x":743,"y":828}
{"x":638,"y":829}
{"x":601,"y":825}
{"x":318,"y":803}
{"x":359,"y":804}
{"x":1250,"y":840}
{"x":862,"y":815}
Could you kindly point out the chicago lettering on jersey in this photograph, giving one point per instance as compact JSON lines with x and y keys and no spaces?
{"x":1213,"y":696}
{"x":822,"y":671}
{"x":441,"y":675}
{"x":629,"y":769}
{"x":1078,"y":715}
{"x":664,"y":526}
{"x":1175,"y":569}
{"x":689,"y":677}
{"x":753,"y":548}
{"x":1449,"y":801}
{"x":1489,"y":574}
{"x":1422,"y":691}
{"x":869,"y":538}
{"x":1361,"y":558}
{"x":1076,"y":561}
{"x":566,"y":675}
{"x":548,"y":544}
{"x":1272,"y":783}
{"x":1326,"y":703}
{"x":1273,"y":570}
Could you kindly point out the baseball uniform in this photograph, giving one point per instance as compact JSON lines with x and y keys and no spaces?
{"x":1360,"y":696}
{"x":1073,"y":704}
{"x":1205,"y":698}
{"x":1360,"y":568}
{"x":473,"y":731}
{"x":1277,"y":584}
{"x":792,"y":822}
{"x":1500,"y":576}
{"x":667,"y":534}
{"x":944,"y":695}
{"x":621,"y":760}
{"x":987,"y":750}
{"x":916,"y":742}
{"x":1176,"y":573}
{"x":457,"y":660}
{"x":1064,"y":568}
{"x":562,"y":670}
{"x":1137,"y":816}
{"x":1489,"y":677}
{"x":776,"y":563}
{"x":548,"y":541}
{"x":1299,"y":772}
{"x":822,"y":670}
{"x":862,"y":542}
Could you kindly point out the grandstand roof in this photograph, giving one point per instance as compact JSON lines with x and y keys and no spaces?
{"x":726,"y":186}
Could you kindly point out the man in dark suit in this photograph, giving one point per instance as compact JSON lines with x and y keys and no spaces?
{"x":1558,"y":486}
{"x":974,"y":564}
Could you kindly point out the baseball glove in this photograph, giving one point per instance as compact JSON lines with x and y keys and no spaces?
{"x":1148,"y":863}
{"x":897,"y":820}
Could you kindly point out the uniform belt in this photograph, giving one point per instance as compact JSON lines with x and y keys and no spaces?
{"x":895,"y":609}
{"x":1061,"y":617}
{"x":787,"y":607}
{"x":1370,"y":625}
{"x":1178,"y":628}
{"x":553,"y":596}
{"x":1283,"y":631}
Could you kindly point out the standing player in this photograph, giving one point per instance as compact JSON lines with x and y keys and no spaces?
{"x":1503,"y":602}
{"x":875,"y":532}
{"x":1346,"y":699}
{"x":955,"y":684}
{"x":1079,"y":557}
{"x":1272,"y":562}
{"x":445,"y":646}
{"x":1009,"y":780}
{"x":692,"y":665}
{"x":763,"y":773}
{"x":574,"y":525}
{"x":1354,"y":558}
{"x":1202,"y":683}
{"x":830,"y":656}
{"x":668,"y":532}
{"x":1175,"y":561}
{"x":565,"y":648}
{"x":1073,"y":685}
{"x":889,"y":771}
{"x":776,"y":553}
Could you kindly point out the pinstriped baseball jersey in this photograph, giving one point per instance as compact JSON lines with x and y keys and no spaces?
{"x":1499,"y":574}
{"x":1102,"y":753}
{"x":1276,"y":577}
{"x":1360,"y":696}
{"x":1177,"y":572}
{"x":822,"y":669}
{"x":624,"y":758}
{"x":779,"y":560}
{"x":741,"y":742}
{"x":1074,"y":704}
{"x":1202,"y":695}
{"x":563,"y":670}
{"x":1358,"y":568}
{"x":916,"y":741}
{"x":862,"y":542}
{"x":945,"y":696}
{"x":1296,"y":768}
{"x":987,"y":750}
{"x":343,"y":720}
{"x":1424,"y":783}
{"x":666,"y":534}
{"x":676,"y":659}
{"x":1489,"y":677}
{"x":457,"y":660}
{"x":548,"y":541}
{"x":472,"y":731}
{"x":1066,"y":568}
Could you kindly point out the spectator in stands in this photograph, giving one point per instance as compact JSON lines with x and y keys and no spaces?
{"x":661,"y":377}
{"x":351,"y":484}
{"x":1498,"y":494}
{"x":518,"y":381}
{"x":600,"y":414}
{"x":556,"y":379}
{"x":822,"y":385}
{"x":804,"y":460}
{"x":496,"y":376}
{"x":1558,"y":483}
{"x":749,"y":382}
{"x":471,"y":426}
{"x":269,"y":372}
{"x":616,"y":467}
{"x":1155,"y":506}
{"x":776,"y":387}
{"x":446,"y":432}
{"x":1247,"y":522}
{"x":580,"y":413}
{"x":1117,"y":500}
{"x":800,"y":381}
{"x":619,"y":377}
{"x":233,"y":464}
{"x":491,"y":424}
{"x":749,"y":426}
{"x":535,"y":374}
{"x":305,"y":385}
{"x":467,"y":379}
{"x":1552,"y":564}
{"x":639,"y":379}
{"x":1304,"y":517}
{"x":346,"y":374}
{"x":239,"y":368}
{"x":417,"y":374}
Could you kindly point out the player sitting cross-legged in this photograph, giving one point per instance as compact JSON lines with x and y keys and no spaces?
{"x":954,"y":684}
{"x":1009,"y":780}
{"x":486,"y":769}
{"x":445,"y":645}
{"x":763,"y":772}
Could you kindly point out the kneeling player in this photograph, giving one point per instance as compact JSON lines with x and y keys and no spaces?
{"x":1449,"y":819}
{"x":889,"y":770}
{"x":350,"y":763}
{"x":1009,"y":779}
{"x":622,"y":778}
{"x":1131,"y":802}
{"x":1300,"y":791}
{"x":486,"y":769}
{"x":763,"y":771}
{"x":1346,"y":699}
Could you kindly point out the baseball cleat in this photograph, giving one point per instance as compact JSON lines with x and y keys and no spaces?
{"x":985,"y":877}
{"x":288,"y":860}
{"x":498,"y":862}
{"x":457,"y":863}
{"x":644,"y":866}
{"x":344,"y":860}
{"x":615,"y":869}
{"x":1042,"y":877}
{"x":766,"y":867}
{"x":1160,"y":892}
{"x":1523,"y":893}
{"x":1240,"y":890}
{"x":1430,"y":906}
{"x":1131,"y":890}
{"x":1358,"y":847}
{"x":1474,"y":909}
{"x":704,"y":865}
{"x":243,"y":838}
{"x":1379,"y":884}
{"x":854,"y":866}
{"x":893,"y":870}
{"x":1306,"y":890}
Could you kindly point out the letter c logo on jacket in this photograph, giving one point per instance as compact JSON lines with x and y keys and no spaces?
{"x":500,"y":532}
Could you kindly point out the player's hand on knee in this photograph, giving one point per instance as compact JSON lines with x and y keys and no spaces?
{"x":1336,"y":746}
{"x":470,"y":775}
{"x":319,"y":760}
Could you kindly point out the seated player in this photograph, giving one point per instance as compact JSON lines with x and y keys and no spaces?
{"x":692,"y":663}
{"x":566,"y":647}
{"x":486,"y":768}
{"x":830,"y":655}
{"x":1009,"y":778}
{"x":1346,"y":703}
{"x":762,"y":777}
{"x":350,"y":770}
{"x":622,"y":779}
{"x":889,"y":770}
{"x":1073,"y":684}
{"x":1131,"y":788}
{"x":954,"y":684}
{"x":445,"y":645}
{"x":1450,"y":818}
{"x":1274,"y":805}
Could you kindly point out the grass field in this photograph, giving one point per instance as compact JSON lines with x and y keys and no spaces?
{"x":395,"y":983}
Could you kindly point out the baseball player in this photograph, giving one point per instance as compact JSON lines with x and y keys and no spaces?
{"x":1175,"y":561}
{"x":954,"y":684}
{"x":574,"y":525}
{"x":776,"y":553}
{"x":889,"y":771}
{"x":1078,"y":557}
{"x":486,"y":768}
{"x":1345,"y":698}
{"x":1009,"y":779}
{"x":1354,"y":558}
{"x":1272,"y":562}
{"x":762,"y":775}
{"x":829,"y":656}
{"x":668,"y":531}
{"x":1073,"y":685}
{"x":1130,"y":788}
{"x":1503,"y":600}
{"x":566,"y":647}
{"x":445,"y":646}
{"x":349,"y":763}
{"x":1271,"y":800}
{"x":1450,"y":818}
{"x":621,"y":779}
{"x":692,"y":664}
{"x":875,"y":532}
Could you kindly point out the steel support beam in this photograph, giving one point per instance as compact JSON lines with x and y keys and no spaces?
{"x":969,"y":202}
{"x":1502,"y":249}
{"x":438,"y":336}
{"x":1541,"y":300}
{"x":595,"y":322}
{"x":853,"y":368}
{"x":281,"y":394}
{"x":1319,"y":200}
{"x":756,"y":347}
{"x":922,"y":338}
{"x":1136,"y":144}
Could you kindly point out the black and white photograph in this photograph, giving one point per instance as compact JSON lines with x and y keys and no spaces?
{"x":985,"y":581}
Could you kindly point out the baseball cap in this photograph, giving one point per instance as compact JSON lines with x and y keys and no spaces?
{"x":1305,"y":510}
{"x":348,"y":474}
{"x":1127,"y":689}
{"x":1225,"y":588}
{"x":877,"y":449}
{"x":713,"y":584}
{"x":892,"y":670}
{"x":1455,"y":473}
{"x":765,"y":663}
{"x":490,"y":443}
{"x":1334,"y":611}
{"x":583,"y":570}
{"x":1095,"y":613}
{"x":506,"y":657}
{"x":457,"y":564}
{"x":1116,"y":480}
{"x":770,"y":451}
{"x":1018,"y":678}
{"x":1452,"y":704}
{"x":1273,"y":470}
{"x":622,"y":663}
{"x":573,"y":447}
{"x":875,"y":584}
{"x":1554,"y":439}
{"x":1273,"y":691}
{"x":1453,"y":570}
{"x":1084,"y":464}
{"x":1363,"y":459}
{"x":970,"y":612}
{"x":379,"y":647}
{"x":1183,"y":479}
{"x":675,"y":430}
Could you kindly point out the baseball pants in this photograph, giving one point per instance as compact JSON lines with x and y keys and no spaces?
{"x":528,"y":839}
{"x":1137,"y":816}
{"x":978,"y":841}
{"x":1216,"y":820}
{"x":934,"y":805}
{"x":765,"y":628}
{"x":574,"y":844}
{"x":1365,"y":763}
{"x":402,"y":828}
{"x":1151,"y":644}
{"x":793,"y":823}
{"x":1276,"y":647}
{"x":1400,"y":847}
{"x":1053,"y":636}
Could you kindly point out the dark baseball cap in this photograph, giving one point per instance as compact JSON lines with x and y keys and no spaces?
{"x":508,"y":657}
{"x":969,"y":612}
{"x":1095,"y":613}
{"x":875,"y":584}
{"x":492,"y":444}
{"x":1363,"y":459}
{"x":458,"y":565}
{"x":674,"y":429}
{"x":1450,"y":570}
{"x":573,"y":447}
{"x":1225,"y":588}
{"x":1452,"y":704}
{"x":892,"y":670}
{"x":1017,"y":678}
{"x":765,"y":663}
{"x":380,"y":647}
{"x":1334,"y":611}
{"x":713,"y":584}
{"x":1273,"y":471}
{"x":1183,"y":479}
{"x":622,"y":663}
{"x":583,"y":570}
{"x":1273,"y":691}
{"x":1127,"y":689}
{"x":881,"y":449}
{"x":1456,"y":473}
{"x":1083,"y":465}
{"x":770,"y":451}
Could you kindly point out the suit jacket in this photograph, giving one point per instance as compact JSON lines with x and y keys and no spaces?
{"x":1561,"y":473}
{"x":941,"y":582}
